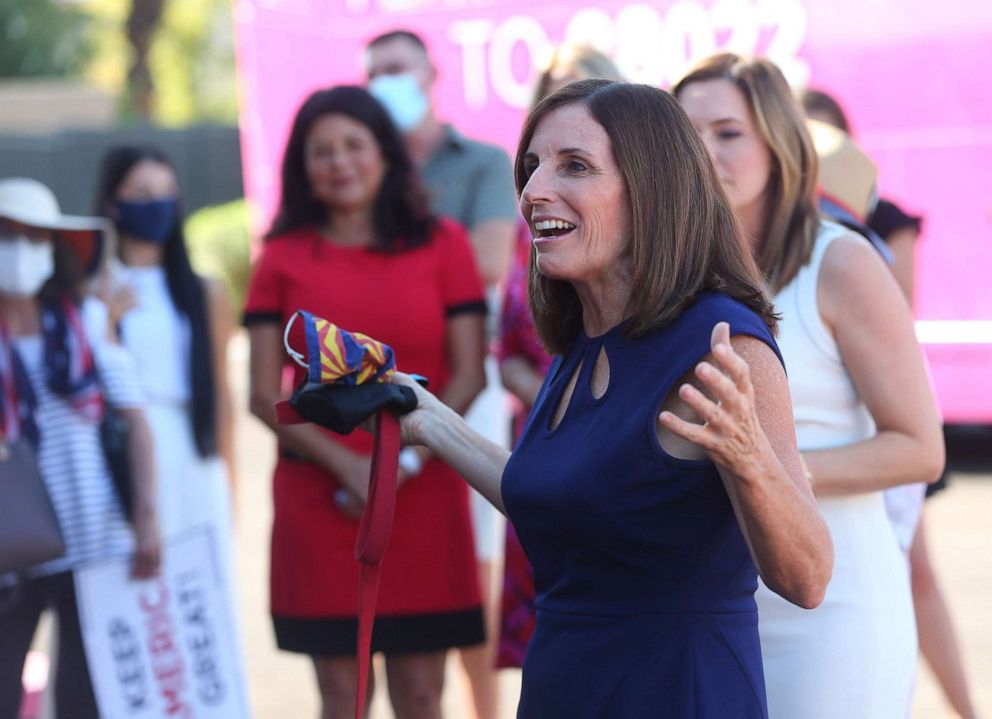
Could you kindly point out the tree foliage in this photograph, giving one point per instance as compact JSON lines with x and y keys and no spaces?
{"x":192,"y":62}
{"x":169,"y":61}
{"x":218,"y":240}
{"x":43,"y":38}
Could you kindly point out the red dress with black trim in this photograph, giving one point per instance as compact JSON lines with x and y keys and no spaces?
{"x":405,"y":300}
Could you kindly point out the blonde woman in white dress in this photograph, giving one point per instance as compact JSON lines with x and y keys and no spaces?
{"x":865,"y":416}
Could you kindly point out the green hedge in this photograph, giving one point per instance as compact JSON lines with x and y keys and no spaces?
{"x":218,"y":241}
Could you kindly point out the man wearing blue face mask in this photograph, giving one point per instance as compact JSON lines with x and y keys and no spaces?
{"x":471,"y":182}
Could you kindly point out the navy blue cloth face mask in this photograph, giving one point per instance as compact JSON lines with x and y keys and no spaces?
{"x":148,"y":220}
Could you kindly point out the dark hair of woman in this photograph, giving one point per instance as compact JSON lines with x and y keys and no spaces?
{"x":185,"y":288}
{"x":67,"y":278}
{"x":814,"y":101}
{"x":684,"y":236}
{"x":401,"y":212}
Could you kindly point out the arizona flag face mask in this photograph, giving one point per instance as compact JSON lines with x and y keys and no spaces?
{"x":336,"y":355}
{"x":346,"y":376}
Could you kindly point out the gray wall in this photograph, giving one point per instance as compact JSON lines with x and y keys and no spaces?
{"x":207,"y":158}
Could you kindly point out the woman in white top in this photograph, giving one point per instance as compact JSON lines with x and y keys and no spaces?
{"x":939,"y":642}
{"x":865,"y":416}
{"x":57,"y":374}
{"x":176,"y":328}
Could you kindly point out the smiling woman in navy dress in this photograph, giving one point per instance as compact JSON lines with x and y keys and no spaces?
{"x":658,"y":474}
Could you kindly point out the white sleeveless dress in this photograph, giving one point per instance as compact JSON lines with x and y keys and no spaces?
{"x":192,"y":490}
{"x":854,"y":656}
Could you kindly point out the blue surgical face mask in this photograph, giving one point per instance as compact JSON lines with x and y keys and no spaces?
{"x":148,"y":220}
{"x":403,"y":99}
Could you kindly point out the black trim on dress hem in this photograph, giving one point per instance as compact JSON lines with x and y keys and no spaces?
{"x":402,"y":634}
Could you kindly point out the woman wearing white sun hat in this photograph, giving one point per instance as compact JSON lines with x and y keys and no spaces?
{"x":57,"y":372}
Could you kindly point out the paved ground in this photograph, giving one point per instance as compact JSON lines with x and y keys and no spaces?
{"x":282,"y":686}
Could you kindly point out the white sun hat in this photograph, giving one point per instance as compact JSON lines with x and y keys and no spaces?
{"x":30,"y":203}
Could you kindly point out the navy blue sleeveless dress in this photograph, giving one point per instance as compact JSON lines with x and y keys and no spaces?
{"x":644,"y":584}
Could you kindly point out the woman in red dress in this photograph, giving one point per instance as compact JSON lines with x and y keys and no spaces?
{"x":355,"y":243}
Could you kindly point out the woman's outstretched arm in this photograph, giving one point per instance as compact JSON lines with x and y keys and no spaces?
{"x":441,"y":429}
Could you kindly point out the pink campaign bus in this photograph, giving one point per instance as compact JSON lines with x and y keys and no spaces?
{"x":912,"y":74}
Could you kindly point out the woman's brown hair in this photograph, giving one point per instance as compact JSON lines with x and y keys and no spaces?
{"x":790,"y":227}
{"x":684,"y":236}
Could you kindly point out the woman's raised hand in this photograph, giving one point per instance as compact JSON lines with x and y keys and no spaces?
{"x":731,"y":433}
{"x":147,"y":559}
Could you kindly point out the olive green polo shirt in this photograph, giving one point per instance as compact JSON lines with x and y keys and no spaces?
{"x":470,"y":181}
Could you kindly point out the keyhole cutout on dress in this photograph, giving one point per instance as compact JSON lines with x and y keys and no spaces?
{"x":565,"y":399}
{"x":599,"y":381}
{"x":674,"y":445}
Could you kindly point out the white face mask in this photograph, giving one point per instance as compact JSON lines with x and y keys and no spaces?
{"x":24,"y":265}
{"x":402,"y":98}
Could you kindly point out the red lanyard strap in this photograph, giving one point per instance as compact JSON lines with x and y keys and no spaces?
{"x":377,"y":519}
{"x":373,"y":537}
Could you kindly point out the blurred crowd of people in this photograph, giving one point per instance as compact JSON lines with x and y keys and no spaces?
{"x":394,"y":223}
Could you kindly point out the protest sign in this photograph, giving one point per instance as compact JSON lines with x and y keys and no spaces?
{"x":165,"y":647}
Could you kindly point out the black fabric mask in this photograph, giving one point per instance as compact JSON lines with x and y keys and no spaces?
{"x":341,"y":408}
